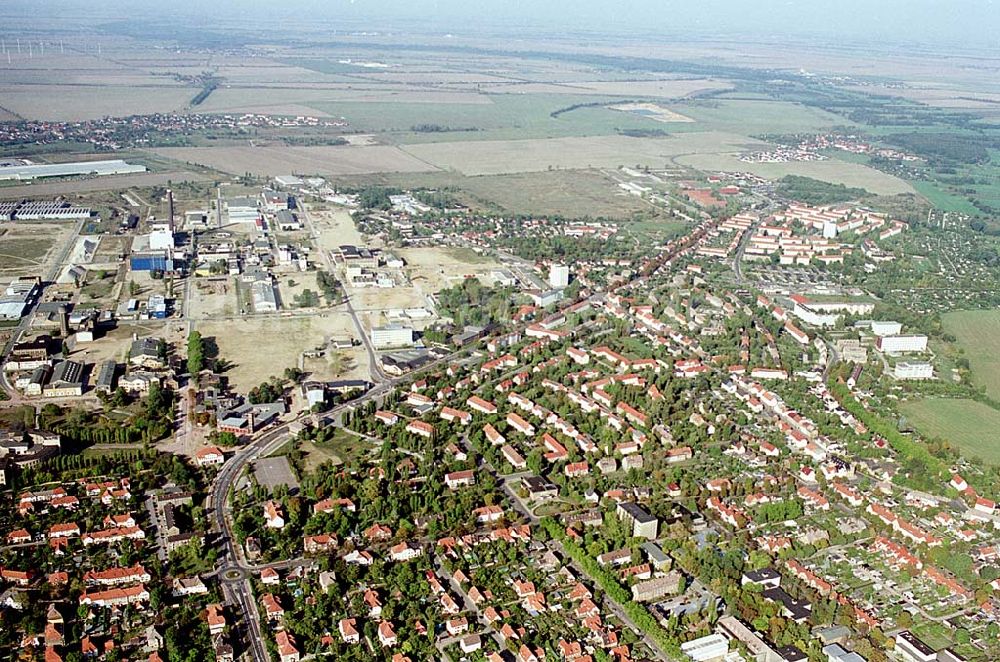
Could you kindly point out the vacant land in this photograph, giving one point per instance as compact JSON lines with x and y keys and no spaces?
{"x":240,"y":342}
{"x":978,"y":333}
{"x":652,"y":111}
{"x":345,"y":446}
{"x":433,"y":269}
{"x":968,"y":424}
{"x":835,"y":172}
{"x":509,"y":156}
{"x":269,"y":161}
{"x":210,"y":297}
{"x":334,"y":226}
{"x":31,"y":248}
{"x":87,"y":185}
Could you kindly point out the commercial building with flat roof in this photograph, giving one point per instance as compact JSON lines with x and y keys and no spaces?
{"x":92,"y":168}
{"x":391,"y":335}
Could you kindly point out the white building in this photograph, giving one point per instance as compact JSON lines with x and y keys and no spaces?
{"x":391,"y":335}
{"x":558,"y":276}
{"x":905,"y":370}
{"x":886,"y":328}
{"x":712,"y":647}
{"x":902,"y":344}
{"x":911,"y":649}
{"x":161,"y":238}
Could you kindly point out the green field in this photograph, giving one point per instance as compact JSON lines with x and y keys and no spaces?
{"x":569,"y":193}
{"x":752,"y":117}
{"x":970,"y":425}
{"x":502,"y":117}
{"x":943,"y":200}
{"x":978,"y":333}
{"x":522,"y":116}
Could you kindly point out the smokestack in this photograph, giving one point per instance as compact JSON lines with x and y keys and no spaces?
{"x":170,"y":210}
{"x":64,"y":321}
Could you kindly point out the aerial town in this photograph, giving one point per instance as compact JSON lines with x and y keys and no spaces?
{"x":305,"y":415}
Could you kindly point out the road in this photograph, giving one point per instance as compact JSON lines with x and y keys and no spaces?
{"x":25,"y":321}
{"x":238,"y":592}
{"x":375,"y":368}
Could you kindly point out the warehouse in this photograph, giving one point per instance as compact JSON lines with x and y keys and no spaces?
{"x":391,"y":335}
{"x":264,"y":299}
{"x":94,"y":168}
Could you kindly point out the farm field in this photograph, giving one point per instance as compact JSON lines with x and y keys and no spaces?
{"x":978,"y":333}
{"x":83,"y":102}
{"x":968,"y":424}
{"x":835,"y":172}
{"x":269,"y":161}
{"x":751,"y":117}
{"x":511,"y":156}
{"x":240,"y":342}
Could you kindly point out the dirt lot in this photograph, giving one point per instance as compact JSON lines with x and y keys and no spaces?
{"x":429,"y":270}
{"x":276,"y":160}
{"x":263,"y":347}
{"x":652,"y":111}
{"x":31,"y":248}
{"x":210,"y":297}
{"x":433,"y":269}
{"x":335,"y":227}
{"x":116,"y":343}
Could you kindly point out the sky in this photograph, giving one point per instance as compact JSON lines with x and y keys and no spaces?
{"x":934,"y":23}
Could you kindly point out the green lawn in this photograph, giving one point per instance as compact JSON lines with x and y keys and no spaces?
{"x":970,"y":425}
{"x":978,"y":333}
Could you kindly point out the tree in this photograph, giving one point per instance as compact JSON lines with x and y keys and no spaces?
{"x":195,"y":353}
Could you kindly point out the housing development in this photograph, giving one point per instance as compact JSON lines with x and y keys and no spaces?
{"x":303,"y":414}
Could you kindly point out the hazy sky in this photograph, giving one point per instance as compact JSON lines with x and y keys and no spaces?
{"x":930,"y":22}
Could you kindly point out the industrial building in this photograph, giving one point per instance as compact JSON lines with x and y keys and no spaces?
{"x":17,"y":297}
{"x":151,"y":261}
{"x":391,"y":335}
{"x":91,"y":168}
{"x":712,"y":647}
{"x":263,"y":296}
{"x":37,"y":210}
{"x":242,"y":210}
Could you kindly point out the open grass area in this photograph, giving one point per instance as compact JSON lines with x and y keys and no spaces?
{"x":751,"y":117}
{"x":494,"y":117}
{"x":344,"y":447}
{"x":970,"y":425}
{"x":854,"y":175}
{"x":569,"y":193}
{"x":943,"y":200}
{"x":977,"y":332}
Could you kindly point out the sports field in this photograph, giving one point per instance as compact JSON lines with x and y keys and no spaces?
{"x":978,"y":333}
{"x":970,"y":425}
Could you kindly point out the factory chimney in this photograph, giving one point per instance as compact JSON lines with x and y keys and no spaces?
{"x":64,"y":321}
{"x":170,"y":210}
